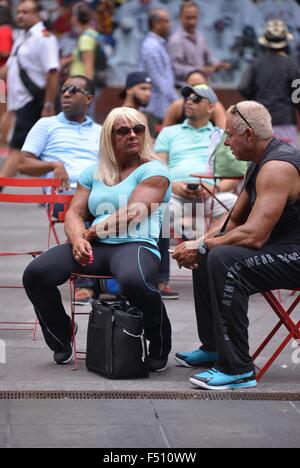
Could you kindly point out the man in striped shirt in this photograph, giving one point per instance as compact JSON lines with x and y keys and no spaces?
{"x":156,"y":62}
{"x":64,"y":145}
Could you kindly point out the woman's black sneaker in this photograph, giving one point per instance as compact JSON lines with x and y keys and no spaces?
{"x":65,"y":356}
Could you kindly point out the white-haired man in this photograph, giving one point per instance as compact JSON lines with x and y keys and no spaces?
{"x":259,"y":250}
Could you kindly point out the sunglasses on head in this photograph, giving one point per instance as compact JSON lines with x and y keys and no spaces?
{"x":194,"y":98}
{"x":71,"y":89}
{"x":125,"y":131}
{"x":235,"y":110}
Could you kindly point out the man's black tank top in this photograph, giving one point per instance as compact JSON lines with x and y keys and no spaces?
{"x":287,"y":229}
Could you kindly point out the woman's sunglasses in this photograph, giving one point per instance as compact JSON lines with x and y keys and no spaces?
{"x":125,"y":131}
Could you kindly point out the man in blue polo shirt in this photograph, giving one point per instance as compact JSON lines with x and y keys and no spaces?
{"x":64,"y":145}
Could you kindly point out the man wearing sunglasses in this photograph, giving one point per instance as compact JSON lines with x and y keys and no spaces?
{"x":189,"y":148}
{"x":258,"y":250}
{"x":64,"y":145}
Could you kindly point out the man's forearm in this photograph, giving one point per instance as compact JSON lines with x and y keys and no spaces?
{"x":35,"y":167}
{"x":241,"y":236}
{"x":51,"y":87}
{"x":211,"y":233}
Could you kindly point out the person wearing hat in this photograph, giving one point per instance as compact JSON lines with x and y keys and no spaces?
{"x":137,"y":92}
{"x":269,"y":81}
{"x":189,"y":148}
{"x":175,"y":113}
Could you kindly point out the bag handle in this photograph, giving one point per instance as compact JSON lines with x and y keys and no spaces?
{"x":142,"y":338}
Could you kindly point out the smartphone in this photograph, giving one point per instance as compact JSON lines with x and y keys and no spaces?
{"x":192,"y":186}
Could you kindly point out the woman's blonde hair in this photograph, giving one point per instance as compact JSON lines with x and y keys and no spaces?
{"x":109,"y":171}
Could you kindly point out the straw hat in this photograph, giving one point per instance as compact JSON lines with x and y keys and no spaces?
{"x":277,"y":35}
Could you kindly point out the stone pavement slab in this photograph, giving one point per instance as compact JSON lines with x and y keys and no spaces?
{"x":229,"y":424}
{"x":149,"y":424}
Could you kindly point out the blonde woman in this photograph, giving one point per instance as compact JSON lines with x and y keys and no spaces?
{"x":125,"y":193}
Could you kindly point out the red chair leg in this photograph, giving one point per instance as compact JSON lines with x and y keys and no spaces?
{"x":36,"y":323}
{"x":284,"y":316}
{"x":276,"y":328}
{"x":278,"y":352}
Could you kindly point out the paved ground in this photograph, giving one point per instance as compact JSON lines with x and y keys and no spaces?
{"x":149,"y":424}
{"x":130,"y":423}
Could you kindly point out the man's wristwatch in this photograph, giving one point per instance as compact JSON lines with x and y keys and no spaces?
{"x":203,"y":249}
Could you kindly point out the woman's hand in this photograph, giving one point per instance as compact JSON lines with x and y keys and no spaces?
{"x":187,"y":255}
{"x":90,"y":234}
{"x":82,"y":251}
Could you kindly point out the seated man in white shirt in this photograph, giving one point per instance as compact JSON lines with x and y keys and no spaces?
{"x":64,"y":145}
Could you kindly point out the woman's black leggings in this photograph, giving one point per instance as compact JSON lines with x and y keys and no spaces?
{"x":132,"y":264}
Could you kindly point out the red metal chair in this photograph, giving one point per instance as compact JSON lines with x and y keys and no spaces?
{"x":293,"y":328}
{"x":31,"y":197}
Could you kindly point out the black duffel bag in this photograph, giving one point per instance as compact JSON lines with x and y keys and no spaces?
{"x":116,"y":345}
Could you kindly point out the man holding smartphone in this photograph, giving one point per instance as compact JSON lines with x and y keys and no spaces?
{"x":188,"y":148}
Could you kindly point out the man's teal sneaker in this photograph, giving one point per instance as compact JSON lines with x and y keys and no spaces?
{"x":216,"y":380}
{"x":197,"y":358}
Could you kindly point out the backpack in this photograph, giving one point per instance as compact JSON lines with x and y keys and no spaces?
{"x":100,"y":73}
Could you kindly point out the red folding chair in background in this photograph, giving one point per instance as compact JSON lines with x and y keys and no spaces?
{"x":29,"y":195}
{"x":213,"y":192}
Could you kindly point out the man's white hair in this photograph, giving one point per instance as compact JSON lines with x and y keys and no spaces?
{"x":256,"y":115}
